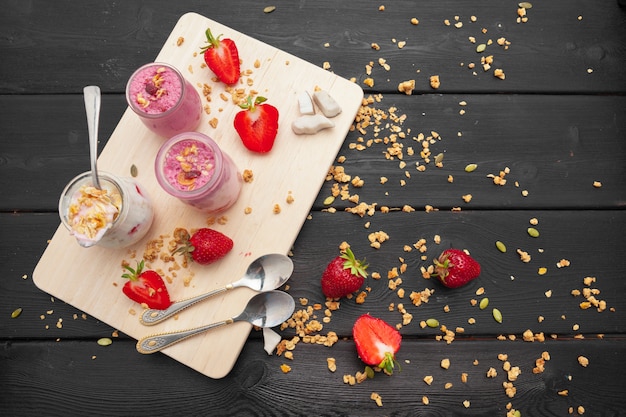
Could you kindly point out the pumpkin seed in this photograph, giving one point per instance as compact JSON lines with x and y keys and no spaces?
{"x":133,"y":170}
{"x":526,"y":5}
{"x":16,"y":313}
{"x":105,"y":341}
{"x":369,"y":372}
{"x":470,"y":167}
{"x":497,"y":315}
{"x":439,"y":158}
{"x":269,"y":9}
{"x":483,"y":303}
{"x":517,"y":413}
{"x":501,"y":247}
{"x":481,"y":48}
{"x":533,"y":232}
{"x":432,"y":323}
{"x":329,"y":200}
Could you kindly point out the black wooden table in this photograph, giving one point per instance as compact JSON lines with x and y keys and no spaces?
{"x":553,"y":128}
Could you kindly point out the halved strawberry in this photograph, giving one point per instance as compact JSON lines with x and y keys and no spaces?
{"x":257,"y":125}
{"x":222,"y":57}
{"x":376,"y":342}
{"x":146,"y":287}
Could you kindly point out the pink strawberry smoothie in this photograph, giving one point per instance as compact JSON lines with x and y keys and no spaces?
{"x":189,"y":165}
{"x":192,"y":168}
{"x":166,"y":103}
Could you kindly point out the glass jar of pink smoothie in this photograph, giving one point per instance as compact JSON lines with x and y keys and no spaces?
{"x":164,"y":100}
{"x":117,"y":215}
{"x":192,"y":168}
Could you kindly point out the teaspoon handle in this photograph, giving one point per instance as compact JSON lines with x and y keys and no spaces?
{"x":92,"y":108}
{"x":157,"y":342}
{"x":153,"y":316}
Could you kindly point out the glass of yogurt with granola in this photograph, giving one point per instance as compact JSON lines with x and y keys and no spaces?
{"x":115,"y":216}
{"x":163,"y":99}
{"x":192,"y":168}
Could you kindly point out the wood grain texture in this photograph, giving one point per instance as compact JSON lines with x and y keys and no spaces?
{"x":549,"y":53}
{"x":257,"y":387}
{"x":554,"y":146}
{"x":90,"y":279}
{"x":557,"y":121}
{"x":521,"y":299}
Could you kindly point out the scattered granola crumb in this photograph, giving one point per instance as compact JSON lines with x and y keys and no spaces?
{"x":563,"y":263}
{"x":248,"y":176}
{"x":377,"y":399}
{"x":407,"y":87}
{"x":524,"y":256}
{"x":180,"y":41}
{"x":498,"y":73}
{"x":435,"y":82}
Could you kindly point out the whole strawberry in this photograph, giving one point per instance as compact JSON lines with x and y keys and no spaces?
{"x":257,"y":124}
{"x":455,"y":268}
{"x":376,"y":342}
{"x":343,"y":275}
{"x":206,"y":246}
{"x":222,"y":57}
{"x":146,"y":287}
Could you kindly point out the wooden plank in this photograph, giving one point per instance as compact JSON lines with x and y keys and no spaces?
{"x":591,"y":240}
{"x":85,"y":278}
{"x":555,"y":147}
{"x":584,"y":238}
{"x":39,"y":159}
{"x":552,"y":52}
{"x":42,"y":376}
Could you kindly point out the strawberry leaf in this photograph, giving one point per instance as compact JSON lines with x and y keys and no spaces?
{"x":355,"y":266}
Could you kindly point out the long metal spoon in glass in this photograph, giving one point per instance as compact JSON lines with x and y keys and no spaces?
{"x":266,"y":309}
{"x":265,"y":273}
{"x":91,"y":95}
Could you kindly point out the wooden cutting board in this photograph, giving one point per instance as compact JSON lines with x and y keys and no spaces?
{"x":90,"y":279}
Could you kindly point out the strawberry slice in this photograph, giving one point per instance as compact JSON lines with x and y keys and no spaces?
{"x":146,"y":287}
{"x":376,"y":342}
{"x":222,"y":57}
{"x":257,"y":125}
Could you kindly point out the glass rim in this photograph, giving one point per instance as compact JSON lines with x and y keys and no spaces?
{"x":164,"y":149}
{"x":76,"y":181}
{"x":183,"y":88}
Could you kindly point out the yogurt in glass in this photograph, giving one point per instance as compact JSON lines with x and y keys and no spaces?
{"x":163,"y":99}
{"x":192,"y":168}
{"x":115,"y":216}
